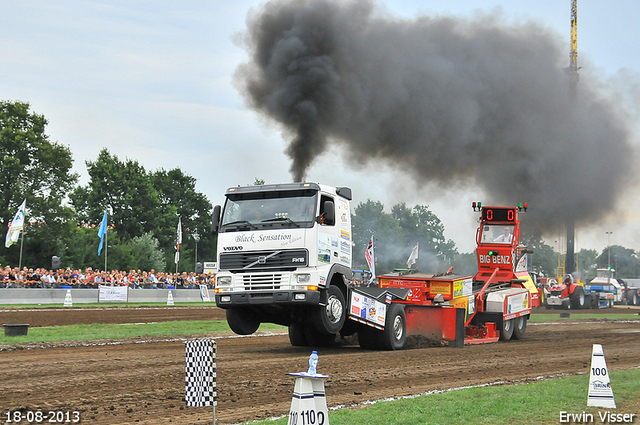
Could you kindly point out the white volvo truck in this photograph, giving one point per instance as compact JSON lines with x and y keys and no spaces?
{"x":284,"y":257}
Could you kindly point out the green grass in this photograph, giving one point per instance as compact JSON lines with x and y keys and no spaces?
{"x":101,"y":331}
{"x":524,"y":404}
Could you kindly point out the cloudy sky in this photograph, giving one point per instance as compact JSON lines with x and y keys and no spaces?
{"x":153,"y":81}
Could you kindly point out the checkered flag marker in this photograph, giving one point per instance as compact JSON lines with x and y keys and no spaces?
{"x":200,"y":377}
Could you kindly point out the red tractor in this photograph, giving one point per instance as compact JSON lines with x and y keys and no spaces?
{"x":567,"y":294}
{"x":454,"y":309}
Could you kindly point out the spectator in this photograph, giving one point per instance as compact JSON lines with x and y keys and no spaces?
{"x":43,"y":278}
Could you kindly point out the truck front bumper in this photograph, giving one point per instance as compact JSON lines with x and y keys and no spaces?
{"x":289,"y":297}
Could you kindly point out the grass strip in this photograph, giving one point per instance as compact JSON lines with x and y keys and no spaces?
{"x":531,"y":403}
{"x":101,"y":331}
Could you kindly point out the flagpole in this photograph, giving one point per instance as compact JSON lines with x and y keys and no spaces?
{"x":106,"y":246}
{"x":21,"y":243}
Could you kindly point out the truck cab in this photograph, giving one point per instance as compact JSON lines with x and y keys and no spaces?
{"x":499,"y":253}
{"x":284,"y":257}
{"x":604,"y":288}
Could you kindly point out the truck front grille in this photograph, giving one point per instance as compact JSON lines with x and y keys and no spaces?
{"x":262,"y":282}
{"x":282,"y":260}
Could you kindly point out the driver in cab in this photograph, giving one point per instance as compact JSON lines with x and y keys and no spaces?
{"x":505,"y":237}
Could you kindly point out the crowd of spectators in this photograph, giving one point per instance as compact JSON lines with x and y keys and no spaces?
{"x":89,"y":278}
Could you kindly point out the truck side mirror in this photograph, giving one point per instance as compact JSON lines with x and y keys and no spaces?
{"x":215,"y":222}
{"x":328,"y":215}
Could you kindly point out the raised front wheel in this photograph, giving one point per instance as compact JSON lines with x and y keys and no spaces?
{"x":242,"y":321}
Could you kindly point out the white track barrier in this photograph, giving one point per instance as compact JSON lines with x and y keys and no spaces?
{"x":309,"y":403}
{"x":68,"y":302}
{"x":600,"y":391}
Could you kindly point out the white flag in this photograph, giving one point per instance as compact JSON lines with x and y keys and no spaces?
{"x":368,"y":254}
{"x":16,"y":226}
{"x":414,"y":255}
{"x":178,"y":240}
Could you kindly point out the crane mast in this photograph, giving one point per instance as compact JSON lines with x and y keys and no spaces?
{"x":569,"y":264}
{"x":573,"y":52}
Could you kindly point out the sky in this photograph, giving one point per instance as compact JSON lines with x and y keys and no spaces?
{"x":153,"y":81}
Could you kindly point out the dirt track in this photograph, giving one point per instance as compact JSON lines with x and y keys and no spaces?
{"x":138,"y":381}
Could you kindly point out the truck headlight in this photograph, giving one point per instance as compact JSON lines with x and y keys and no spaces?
{"x":224,"y":281}
{"x":225,"y":299}
{"x":303,"y":278}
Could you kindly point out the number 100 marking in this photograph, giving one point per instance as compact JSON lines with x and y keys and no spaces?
{"x":597,"y":371}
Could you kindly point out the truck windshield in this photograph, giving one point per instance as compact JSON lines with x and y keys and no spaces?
{"x":502,"y":234}
{"x":263,"y":210}
{"x":604,"y":273}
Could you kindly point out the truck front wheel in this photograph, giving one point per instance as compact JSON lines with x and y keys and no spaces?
{"x":242,"y":321}
{"x":328,"y":319}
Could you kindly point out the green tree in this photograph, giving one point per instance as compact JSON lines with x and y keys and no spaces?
{"x":543,"y":259}
{"x":38,"y":170}
{"x":397,"y":233}
{"x":123,"y":187}
{"x":625,"y":261}
{"x":179,"y":197}
{"x":587,"y":263}
{"x":144,"y":202}
{"x":146,"y":253}
{"x":465,"y":264}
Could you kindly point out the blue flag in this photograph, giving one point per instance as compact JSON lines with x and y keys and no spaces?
{"x":102,"y":231}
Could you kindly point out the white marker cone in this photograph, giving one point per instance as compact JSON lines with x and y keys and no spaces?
{"x":68,"y":302}
{"x":600,"y":391}
{"x":170,"y":298}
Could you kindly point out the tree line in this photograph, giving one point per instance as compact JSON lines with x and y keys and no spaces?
{"x":63,"y":217}
{"x":144,"y":206}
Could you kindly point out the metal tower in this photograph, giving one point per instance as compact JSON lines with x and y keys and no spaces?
{"x":569,"y":264}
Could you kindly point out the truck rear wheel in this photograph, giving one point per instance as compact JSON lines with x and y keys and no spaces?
{"x":297,"y":335}
{"x":367,"y":337}
{"x":507,"y":330}
{"x":519,"y":327}
{"x":328,"y":319}
{"x":319,"y":339}
{"x":394,"y":334}
{"x":577,"y":298}
{"x":242,"y":321}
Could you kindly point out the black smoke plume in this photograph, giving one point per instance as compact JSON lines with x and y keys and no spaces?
{"x":451,"y":101}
